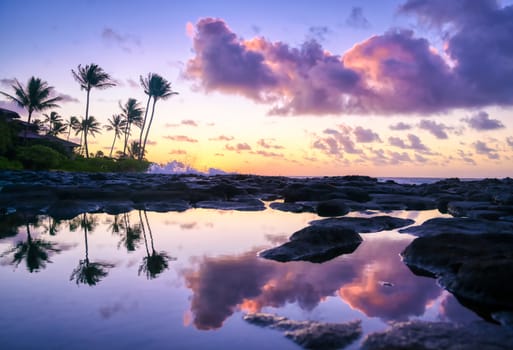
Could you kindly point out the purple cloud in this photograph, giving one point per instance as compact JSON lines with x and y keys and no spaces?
{"x":269,"y":154}
{"x":481,"y":121}
{"x":189,"y":122}
{"x":222,"y":138}
{"x":267,"y":144}
{"x":238,"y":147}
{"x":509,"y":141}
{"x":65,"y":98}
{"x":482,"y":148}
{"x":437,"y":129}
{"x":180,"y":138}
{"x":400,"y":126}
{"x":395,"y":72}
{"x":6,"y":82}
{"x":357,"y":19}
{"x":365,"y":135}
{"x":177,"y":152}
{"x":414,"y":143}
{"x":125,"y":42}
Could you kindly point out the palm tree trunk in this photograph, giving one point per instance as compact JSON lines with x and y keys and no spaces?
{"x":69,"y":132}
{"x":86,"y":243}
{"x":144,"y":234}
{"x":86,"y":123}
{"x":143,"y":125}
{"x":112,"y":147}
{"x":127,"y":133}
{"x":143,"y":148}
{"x":149,"y":231}
{"x":27,"y":126}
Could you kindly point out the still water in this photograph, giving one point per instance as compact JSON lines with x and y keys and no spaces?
{"x":184,"y":281}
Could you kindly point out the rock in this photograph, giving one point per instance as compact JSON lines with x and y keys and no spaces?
{"x":119,"y":207}
{"x":310,"y":334}
{"x":477,"y":269}
{"x":298,"y":207}
{"x":403,"y":202}
{"x":438,"y":226}
{"x":241,"y":205}
{"x":332,"y":207}
{"x":315,"y":244}
{"x":364,"y":225}
{"x":163,"y":207}
{"x":68,"y":209}
{"x":460,"y":209}
{"x":420,"y":335}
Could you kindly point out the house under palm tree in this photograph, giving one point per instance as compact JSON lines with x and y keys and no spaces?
{"x":30,"y":131}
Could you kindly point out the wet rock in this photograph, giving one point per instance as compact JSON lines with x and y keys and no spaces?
{"x":475,"y":268}
{"x":315,"y":244}
{"x":460,"y":209}
{"x":403,"y":202}
{"x":420,"y":335}
{"x":332,"y":207}
{"x":163,"y":207}
{"x":438,"y":226}
{"x":68,"y":209}
{"x":118,"y":207}
{"x":242,"y":205}
{"x":364,"y":225}
{"x":310,"y":334}
{"x":298,"y":207}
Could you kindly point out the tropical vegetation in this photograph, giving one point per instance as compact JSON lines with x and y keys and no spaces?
{"x":45,"y":143}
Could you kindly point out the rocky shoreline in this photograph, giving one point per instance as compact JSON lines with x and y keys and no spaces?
{"x":470,"y":252}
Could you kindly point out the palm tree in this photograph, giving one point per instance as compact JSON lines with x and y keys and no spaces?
{"x":91,"y":76}
{"x":154,"y":263}
{"x":116,"y":123}
{"x":34,"y":98}
{"x":72,"y":124}
{"x":35,"y":252}
{"x":88,"y":272}
{"x":52,"y":119}
{"x":159,"y":88}
{"x":89,"y":126}
{"x":134,"y":150}
{"x":132,"y":113}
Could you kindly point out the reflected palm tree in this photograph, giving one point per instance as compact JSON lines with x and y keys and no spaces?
{"x":130,"y":234}
{"x":88,"y":272}
{"x":154,"y":263}
{"x":52,"y":226}
{"x":35,"y":252}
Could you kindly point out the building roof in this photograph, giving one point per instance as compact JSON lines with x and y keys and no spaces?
{"x":6,"y":113}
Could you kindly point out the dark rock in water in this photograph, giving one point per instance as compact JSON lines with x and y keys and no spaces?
{"x":403,"y":202}
{"x":332,"y":207}
{"x":364,"y":225}
{"x":242,"y":205}
{"x":438,"y":226}
{"x":420,"y":335}
{"x":163,"y":207}
{"x":477,"y":268}
{"x":443,"y":201}
{"x":310,"y":334}
{"x":68,"y":209}
{"x":298,"y":207}
{"x":119,"y":207}
{"x":315,"y":244}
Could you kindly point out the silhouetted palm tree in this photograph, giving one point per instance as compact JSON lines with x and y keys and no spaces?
{"x":155,"y":87}
{"x":132,"y":234}
{"x":34,"y":98}
{"x":116,"y":123}
{"x":91,"y":76}
{"x":72,"y":124}
{"x":134,"y":149}
{"x":132,"y":114}
{"x":88,"y":272}
{"x":90,"y":126}
{"x":154,"y":263}
{"x":35,"y":252}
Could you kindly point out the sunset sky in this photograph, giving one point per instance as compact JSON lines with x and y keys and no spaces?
{"x":381,"y":88}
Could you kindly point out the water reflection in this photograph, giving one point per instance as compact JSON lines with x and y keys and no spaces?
{"x":155,"y":263}
{"x":88,"y":272}
{"x":35,"y":252}
{"x":223,"y":285}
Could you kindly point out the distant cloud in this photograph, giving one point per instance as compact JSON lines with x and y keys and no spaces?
{"x":481,"y":121}
{"x":393,"y":73}
{"x":132,"y":83}
{"x":238,"y":147}
{"x":400,"y":126}
{"x":6,"y":82}
{"x":124,"y":41}
{"x":365,"y":135}
{"x":177,"y":152}
{"x":268,"y":144}
{"x":318,"y":33}
{"x":482,"y":148}
{"x":222,"y":138}
{"x":466,"y":157}
{"x":189,"y":122}
{"x":269,"y":154}
{"x":12,"y":106}
{"x":180,"y":138}
{"x":151,"y":142}
{"x":396,"y":157}
{"x":509,"y":140}
{"x":357,"y":19}
{"x":65,"y":98}
{"x":414,"y":143}
{"x":437,"y":129}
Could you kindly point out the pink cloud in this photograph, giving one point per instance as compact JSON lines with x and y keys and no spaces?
{"x":238,"y":147}
{"x":222,"y":138}
{"x":180,"y":138}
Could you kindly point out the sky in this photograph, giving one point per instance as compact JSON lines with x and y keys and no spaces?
{"x":419,"y":88}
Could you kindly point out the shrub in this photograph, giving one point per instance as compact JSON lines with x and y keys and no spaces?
{"x":6,"y":164}
{"x":39,"y":157}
